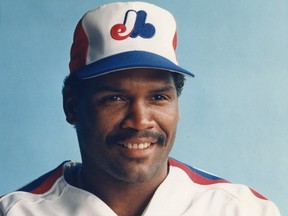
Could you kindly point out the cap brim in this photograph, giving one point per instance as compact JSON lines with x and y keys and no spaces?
{"x":129,"y":60}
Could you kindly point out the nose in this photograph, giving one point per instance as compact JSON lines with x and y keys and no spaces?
{"x":138,"y":117}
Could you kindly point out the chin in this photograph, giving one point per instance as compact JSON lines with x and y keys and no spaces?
{"x":132,"y":177}
{"x":136,"y":174}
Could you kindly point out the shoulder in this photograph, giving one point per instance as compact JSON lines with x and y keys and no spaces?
{"x":204,"y":178}
{"x":36,"y":190}
{"x":210,"y":190}
{"x":196,"y":175}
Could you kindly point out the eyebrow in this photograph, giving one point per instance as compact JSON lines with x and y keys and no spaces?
{"x":110,"y":89}
{"x":165,"y":89}
{"x":107,"y":88}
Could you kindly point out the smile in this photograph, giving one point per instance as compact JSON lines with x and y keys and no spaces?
{"x":136,"y":145}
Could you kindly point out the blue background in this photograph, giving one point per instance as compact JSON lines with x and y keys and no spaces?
{"x":234,"y":114}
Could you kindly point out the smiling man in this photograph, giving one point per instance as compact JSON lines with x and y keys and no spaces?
{"x":122,"y":97}
{"x":126,"y":124}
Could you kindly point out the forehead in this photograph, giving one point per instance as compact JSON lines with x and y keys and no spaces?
{"x":140,"y":77}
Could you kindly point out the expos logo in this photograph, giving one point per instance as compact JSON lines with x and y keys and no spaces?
{"x":140,"y":27}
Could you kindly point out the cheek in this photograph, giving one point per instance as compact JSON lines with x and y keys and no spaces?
{"x":87,"y":126}
{"x":107,"y":120}
{"x":100,"y":123}
{"x":168,"y":120}
{"x":172,"y":115}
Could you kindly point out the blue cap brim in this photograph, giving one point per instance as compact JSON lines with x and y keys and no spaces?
{"x":129,"y":60}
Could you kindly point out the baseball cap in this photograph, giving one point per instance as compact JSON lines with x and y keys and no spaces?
{"x":124,"y":35}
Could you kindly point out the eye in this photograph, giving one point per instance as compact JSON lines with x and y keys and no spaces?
{"x":159,"y":97}
{"x":112,"y":99}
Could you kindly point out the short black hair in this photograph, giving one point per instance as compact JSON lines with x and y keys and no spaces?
{"x":73,"y":85}
{"x":179,"y":80}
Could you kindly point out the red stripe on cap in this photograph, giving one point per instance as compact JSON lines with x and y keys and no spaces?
{"x":79,"y":49}
{"x":48,"y":183}
{"x":174,"y":42}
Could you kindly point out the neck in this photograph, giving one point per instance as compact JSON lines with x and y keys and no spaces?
{"x":123,"y":198}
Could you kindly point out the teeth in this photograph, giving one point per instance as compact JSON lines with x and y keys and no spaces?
{"x":137,"y":145}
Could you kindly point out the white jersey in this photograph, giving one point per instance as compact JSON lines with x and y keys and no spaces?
{"x":186,"y":191}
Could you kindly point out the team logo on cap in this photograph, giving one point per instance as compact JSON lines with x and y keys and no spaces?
{"x":140,"y":28}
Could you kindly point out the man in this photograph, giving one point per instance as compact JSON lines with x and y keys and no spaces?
{"x":122,"y":97}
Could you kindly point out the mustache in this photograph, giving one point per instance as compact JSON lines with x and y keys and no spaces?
{"x":124,"y":135}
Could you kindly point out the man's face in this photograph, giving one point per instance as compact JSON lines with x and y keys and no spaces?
{"x":126,"y":124}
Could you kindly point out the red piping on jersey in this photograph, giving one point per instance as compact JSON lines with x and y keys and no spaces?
{"x":48,"y":183}
{"x":199,"y":179}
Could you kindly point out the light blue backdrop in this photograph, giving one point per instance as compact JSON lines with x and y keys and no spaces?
{"x":234,"y":120}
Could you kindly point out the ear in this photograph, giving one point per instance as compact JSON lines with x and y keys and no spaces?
{"x":69,"y":106}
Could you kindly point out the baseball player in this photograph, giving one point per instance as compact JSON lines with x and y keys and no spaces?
{"x":122,"y":97}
